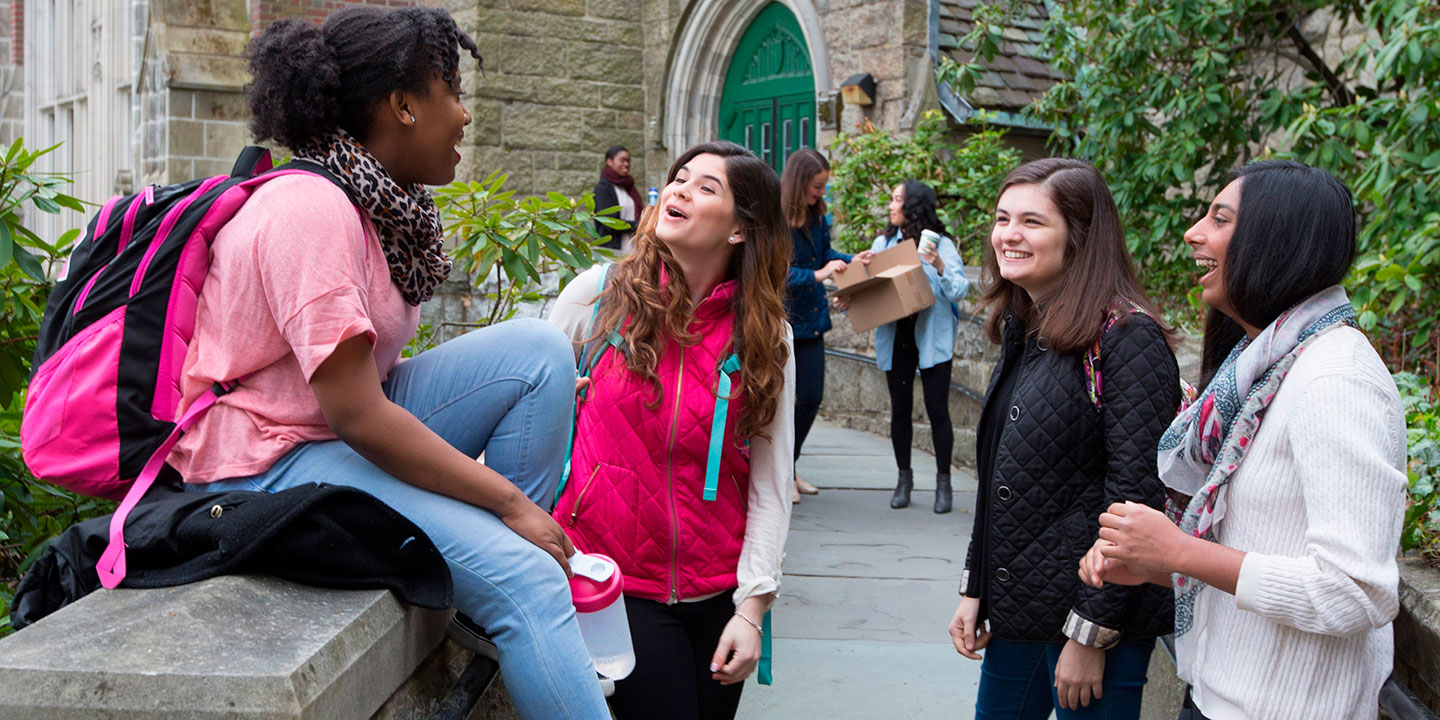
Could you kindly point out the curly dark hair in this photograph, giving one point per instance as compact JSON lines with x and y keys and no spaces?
{"x":309,"y":80}
{"x":918,"y":211}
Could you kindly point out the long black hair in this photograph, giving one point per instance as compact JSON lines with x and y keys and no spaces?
{"x":310,"y":80}
{"x":918,"y":211}
{"x":1294,"y":236}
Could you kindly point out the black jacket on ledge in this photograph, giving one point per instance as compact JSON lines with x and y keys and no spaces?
{"x":1058,"y":464}
{"x":323,"y":535}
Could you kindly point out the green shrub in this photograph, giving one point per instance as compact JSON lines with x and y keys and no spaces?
{"x":1166,"y":97}
{"x":32,"y":513}
{"x":965,"y":175}
{"x":507,"y":244}
{"x":1422,"y":418}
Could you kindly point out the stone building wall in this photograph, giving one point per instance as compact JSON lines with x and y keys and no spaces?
{"x":564,"y":80}
{"x":12,"y":70}
{"x":192,"y":114}
{"x":889,"y":40}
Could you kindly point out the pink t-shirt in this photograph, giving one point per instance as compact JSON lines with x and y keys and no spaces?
{"x":292,"y":275}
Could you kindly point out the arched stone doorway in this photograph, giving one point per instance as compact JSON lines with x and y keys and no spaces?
{"x":768,"y":102}
{"x":704,"y":46}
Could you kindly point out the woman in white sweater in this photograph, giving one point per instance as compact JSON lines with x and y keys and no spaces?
{"x":1286,"y":476}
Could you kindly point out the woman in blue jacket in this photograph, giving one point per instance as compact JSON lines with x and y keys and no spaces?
{"x":812,"y":261}
{"x":923,"y":341}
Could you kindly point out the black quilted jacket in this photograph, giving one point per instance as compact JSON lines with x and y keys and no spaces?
{"x":1059,"y":464}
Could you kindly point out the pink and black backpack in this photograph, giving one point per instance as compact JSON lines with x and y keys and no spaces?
{"x":101,"y":410}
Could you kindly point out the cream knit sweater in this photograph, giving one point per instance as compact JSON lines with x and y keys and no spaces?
{"x":1317,"y":505}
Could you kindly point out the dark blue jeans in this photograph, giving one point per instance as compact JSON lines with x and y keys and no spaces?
{"x":1017,"y":682}
{"x":809,"y":386}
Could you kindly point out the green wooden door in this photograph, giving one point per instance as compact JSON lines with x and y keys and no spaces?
{"x":768,"y":101}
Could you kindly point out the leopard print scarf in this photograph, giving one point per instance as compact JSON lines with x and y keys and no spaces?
{"x":406,"y":219}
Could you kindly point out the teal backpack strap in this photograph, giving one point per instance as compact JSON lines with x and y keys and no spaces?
{"x":717,"y":426}
{"x":764,"y":674}
{"x":587,"y":363}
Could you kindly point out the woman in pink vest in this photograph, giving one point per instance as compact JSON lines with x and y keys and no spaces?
{"x":681,"y":467}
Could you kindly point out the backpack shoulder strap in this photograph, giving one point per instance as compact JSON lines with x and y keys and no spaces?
{"x":717,"y":425}
{"x":313,"y":168}
{"x":590,"y":354}
{"x":1094,"y":386}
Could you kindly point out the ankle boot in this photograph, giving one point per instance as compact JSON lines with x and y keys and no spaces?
{"x":903,"y":486}
{"x":942,"y":493}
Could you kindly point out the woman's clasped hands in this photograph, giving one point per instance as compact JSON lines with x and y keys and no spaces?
{"x":1137,"y":544}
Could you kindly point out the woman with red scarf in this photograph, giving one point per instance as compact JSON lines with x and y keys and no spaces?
{"x":616,"y":187}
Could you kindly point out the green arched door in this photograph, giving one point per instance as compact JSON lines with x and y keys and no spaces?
{"x":768,"y":101}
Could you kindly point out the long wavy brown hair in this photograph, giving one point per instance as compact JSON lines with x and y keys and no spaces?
{"x":1098,"y":270}
{"x":656,"y":316}
{"x":800,"y":168}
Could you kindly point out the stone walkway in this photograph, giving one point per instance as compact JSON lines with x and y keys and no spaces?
{"x":860,"y":628}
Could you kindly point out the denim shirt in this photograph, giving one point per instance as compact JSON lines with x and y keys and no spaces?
{"x":937,"y":325}
{"x":804,"y":295}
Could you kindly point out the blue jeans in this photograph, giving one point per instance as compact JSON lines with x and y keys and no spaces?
{"x":507,"y":390}
{"x":1017,"y":682}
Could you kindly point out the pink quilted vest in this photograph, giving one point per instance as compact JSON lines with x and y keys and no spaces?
{"x":638,"y":467}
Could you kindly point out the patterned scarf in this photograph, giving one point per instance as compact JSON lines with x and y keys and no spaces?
{"x":1204,"y":446}
{"x":405,"y":219}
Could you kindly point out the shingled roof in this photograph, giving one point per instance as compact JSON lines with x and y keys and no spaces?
{"x":1019,"y":73}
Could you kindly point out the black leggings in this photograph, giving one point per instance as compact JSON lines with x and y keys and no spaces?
{"x":935,"y":386}
{"x":673,"y":647}
{"x":809,"y":386}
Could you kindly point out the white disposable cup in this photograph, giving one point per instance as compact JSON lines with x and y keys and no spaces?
{"x":929,"y":240}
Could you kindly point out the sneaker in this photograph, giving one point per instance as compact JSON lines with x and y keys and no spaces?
{"x":464,"y":632}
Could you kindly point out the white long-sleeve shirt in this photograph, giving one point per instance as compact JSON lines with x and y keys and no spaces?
{"x":1317,"y":505}
{"x":772,"y":471}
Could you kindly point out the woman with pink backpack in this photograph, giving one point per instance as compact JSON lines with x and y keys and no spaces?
{"x":681,"y":467}
{"x":313,"y":290}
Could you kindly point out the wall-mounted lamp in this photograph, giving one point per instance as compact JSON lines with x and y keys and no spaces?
{"x":859,"y":89}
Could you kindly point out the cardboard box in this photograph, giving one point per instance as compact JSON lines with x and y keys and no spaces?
{"x":892,"y":286}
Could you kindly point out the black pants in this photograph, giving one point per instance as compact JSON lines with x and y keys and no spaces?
{"x":935,"y":387}
{"x":1188,"y":711}
{"x":673,"y":647}
{"x":809,"y":386}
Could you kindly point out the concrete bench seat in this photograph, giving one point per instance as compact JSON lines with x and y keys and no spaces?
{"x":233,"y":647}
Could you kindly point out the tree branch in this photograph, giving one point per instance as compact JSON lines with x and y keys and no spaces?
{"x":1342,"y":94}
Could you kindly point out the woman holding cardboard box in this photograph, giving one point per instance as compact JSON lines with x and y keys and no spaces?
{"x":812,"y":261}
{"x":923,"y":341}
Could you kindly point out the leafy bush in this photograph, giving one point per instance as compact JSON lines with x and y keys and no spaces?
{"x":1422,"y":417}
{"x":1165,"y":97}
{"x":31,"y":512}
{"x":513,"y":242}
{"x":965,"y":176}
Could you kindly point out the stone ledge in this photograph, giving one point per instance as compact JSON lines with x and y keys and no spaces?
{"x":1417,"y":631}
{"x":229,"y":647}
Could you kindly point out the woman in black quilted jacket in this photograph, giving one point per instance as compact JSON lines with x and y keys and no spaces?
{"x":1085,"y":386}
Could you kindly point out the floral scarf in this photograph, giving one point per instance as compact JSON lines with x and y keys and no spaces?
{"x":1204,"y":446}
{"x":405,"y":218}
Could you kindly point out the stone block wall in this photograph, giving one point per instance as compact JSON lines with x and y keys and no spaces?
{"x":193,"y":118}
{"x":264,"y":12}
{"x":887,"y":40}
{"x":856,"y":395}
{"x":563,"y":81}
{"x":1417,"y":631}
{"x":12,"y":70}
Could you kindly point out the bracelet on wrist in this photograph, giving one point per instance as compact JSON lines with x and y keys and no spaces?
{"x":752,"y":622}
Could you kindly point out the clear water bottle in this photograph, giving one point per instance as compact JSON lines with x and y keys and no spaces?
{"x":600,"y":612}
{"x":653,"y":195}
